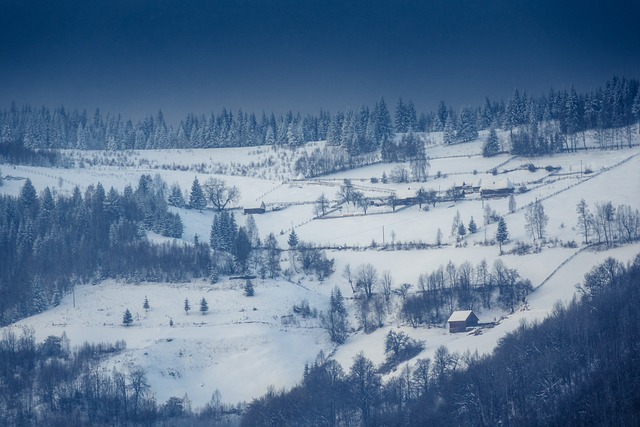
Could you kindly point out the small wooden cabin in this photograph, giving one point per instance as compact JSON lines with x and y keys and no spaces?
{"x":406,"y":197}
{"x":497,"y":188}
{"x":259,"y":210}
{"x":460,"y":320}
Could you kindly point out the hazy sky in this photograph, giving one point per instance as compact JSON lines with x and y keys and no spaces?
{"x":138,"y":56}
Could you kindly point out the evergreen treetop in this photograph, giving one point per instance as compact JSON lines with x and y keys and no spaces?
{"x":127,"y":318}
{"x":204,"y":307}
{"x":197,"y":199}
{"x":292,"y":241}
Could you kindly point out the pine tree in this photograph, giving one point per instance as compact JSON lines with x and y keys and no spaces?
{"x":335,"y":321}
{"x":467,"y":129}
{"x":196,"y":198}
{"x":635,"y":109}
{"x":472,"y":226}
{"x":242,"y":248}
{"x":462,"y":231}
{"x":252,"y":231}
{"x":127,"y":318}
{"x":272,"y":255}
{"x":248,"y":288}
{"x":382,"y":122}
{"x":491,"y":146}
{"x":224,"y":232}
{"x":204,"y":307}
{"x":292,"y":241}
{"x":175,"y":198}
{"x":269,"y":138}
{"x":442,"y":116}
{"x":146,"y":305}
{"x":502,"y":235}
{"x":28,"y":198}
{"x":448,"y":136}
{"x":410,"y":115}
{"x":38,"y":298}
{"x":187,"y":307}
{"x":401,"y":119}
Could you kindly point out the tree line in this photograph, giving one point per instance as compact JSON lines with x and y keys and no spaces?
{"x":538,"y":125}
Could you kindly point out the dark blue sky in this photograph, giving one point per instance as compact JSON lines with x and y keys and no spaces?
{"x":138,"y":56}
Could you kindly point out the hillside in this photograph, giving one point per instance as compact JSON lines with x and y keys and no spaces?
{"x":245,"y":344}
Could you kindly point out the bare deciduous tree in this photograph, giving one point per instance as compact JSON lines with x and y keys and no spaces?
{"x":219,"y":194}
{"x":366,"y":279}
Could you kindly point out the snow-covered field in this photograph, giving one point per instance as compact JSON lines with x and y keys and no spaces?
{"x":243,"y":345}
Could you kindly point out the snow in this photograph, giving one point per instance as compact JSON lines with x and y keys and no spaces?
{"x":242,"y":346}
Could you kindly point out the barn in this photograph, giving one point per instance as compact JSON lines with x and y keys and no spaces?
{"x":460,"y":320}
{"x":259,"y":210}
{"x":406,"y":197}
{"x":497,"y":188}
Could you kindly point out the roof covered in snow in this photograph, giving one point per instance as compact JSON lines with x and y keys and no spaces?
{"x":497,"y":184}
{"x":460,"y":316}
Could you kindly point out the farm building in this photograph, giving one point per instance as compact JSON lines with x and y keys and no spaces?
{"x":459,"y":321}
{"x":406,"y":197}
{"x":259,"y":210}
{"x":497,"y":188}
{"x":465,"y":187}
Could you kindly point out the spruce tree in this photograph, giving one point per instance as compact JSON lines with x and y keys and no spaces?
{"x":335,"y":321}
{"x":196,"y":198}
{"x":502,"y":234}
{"x":175,"y":198}
{"x":449,"y":134}
{"x":127,"y":318}
{"x":187,"y":307}
{"x":491,"y":146}
{"x":146,"y":305}
{"x":467,"y":129}
{"x":248,"y":288}
{"x":462,"y":231}
{"x":204,"y":307}
{"x":382,"y":122}
{"x":401,"y":118}
{"x":292,"y":241}
{"x":38,"y":299}
{"x":472,"y":226}
{"x":272,"y":256}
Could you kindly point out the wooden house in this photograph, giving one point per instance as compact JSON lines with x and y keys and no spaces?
{"x":259,"y":210}
{"x":460,"y":320}
{"x":500,"y":187}
{"x":406,"y":197}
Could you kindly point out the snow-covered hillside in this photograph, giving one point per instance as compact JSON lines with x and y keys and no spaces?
{"x":245,"y":344}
